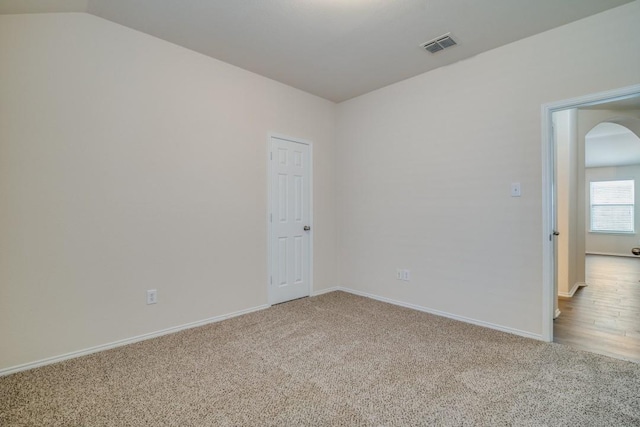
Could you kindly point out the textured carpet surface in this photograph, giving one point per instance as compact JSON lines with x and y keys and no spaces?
{"x":334,"y":360}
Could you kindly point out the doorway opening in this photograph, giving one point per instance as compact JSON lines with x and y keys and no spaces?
{"x":586,"y":286}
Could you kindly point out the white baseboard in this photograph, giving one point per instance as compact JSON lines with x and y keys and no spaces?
{"x":126,"y":341}
{"x":324,"y":291}
{"x":629,"y":255}
{"x":572,"y":291}
{"x":50,"y":360}
{"x":557,"y":313}
{"x":445,"y":314}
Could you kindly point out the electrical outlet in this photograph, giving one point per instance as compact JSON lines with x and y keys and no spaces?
{"x":406,"y":275}
{"x":399,"y":274}
{"x":152,"y":296}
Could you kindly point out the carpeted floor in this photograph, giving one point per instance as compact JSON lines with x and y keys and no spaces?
{"x":331,"y":360}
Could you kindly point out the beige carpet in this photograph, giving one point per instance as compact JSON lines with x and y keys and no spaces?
{"x":332,"y":360}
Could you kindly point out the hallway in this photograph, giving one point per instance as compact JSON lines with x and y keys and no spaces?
{"x":604,"y":317}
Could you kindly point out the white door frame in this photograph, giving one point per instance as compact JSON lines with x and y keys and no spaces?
{"x":548,"y":208}
{"x":271,"y":135}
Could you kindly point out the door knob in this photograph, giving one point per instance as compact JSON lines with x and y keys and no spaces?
{"x":307,"y":228}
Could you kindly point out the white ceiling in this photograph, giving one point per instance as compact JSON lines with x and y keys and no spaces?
{"x":336,"y":49}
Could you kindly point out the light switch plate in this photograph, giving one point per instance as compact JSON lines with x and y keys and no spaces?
{"x":515,"y":189}
{"x":152,"y":296}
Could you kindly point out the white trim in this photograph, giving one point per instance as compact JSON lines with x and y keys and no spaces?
{"x":126,"y":341}
{"x":74,"y":354}
{"x":572,"y":291}
{"x":445,"y":314}
{"x":613,"y":233}
{"x":548,"y":257}
{"x":612,"y":254}
{"x":271,"y":135}
{"x":325,"y":291}
{"x":558,"y":313}
{"x":269,"y":216}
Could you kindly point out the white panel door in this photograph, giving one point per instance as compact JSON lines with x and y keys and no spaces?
{"x":290,"y":217}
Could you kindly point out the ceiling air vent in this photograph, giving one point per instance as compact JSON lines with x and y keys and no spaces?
{"x":439,"y":43}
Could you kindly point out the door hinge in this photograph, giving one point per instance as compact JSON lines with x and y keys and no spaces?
{"x":271,"y":155}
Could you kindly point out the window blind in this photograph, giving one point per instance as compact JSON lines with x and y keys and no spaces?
{"x":612,"y":206}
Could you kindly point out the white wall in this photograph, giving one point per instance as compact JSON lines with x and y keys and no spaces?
{"x":426,"y":165}
{"x":566,"y":138}
{"x":129,"y":163}
{"x":612,"y":244}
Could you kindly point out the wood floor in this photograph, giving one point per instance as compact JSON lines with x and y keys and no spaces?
{"x":604,"y":317}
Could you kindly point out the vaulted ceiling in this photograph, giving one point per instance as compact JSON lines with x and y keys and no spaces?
{"x":336,"y":49}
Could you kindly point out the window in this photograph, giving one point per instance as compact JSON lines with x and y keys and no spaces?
{"x":612,"y":206}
